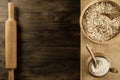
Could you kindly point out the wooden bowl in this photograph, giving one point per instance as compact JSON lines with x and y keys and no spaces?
{"x":81,"y":19}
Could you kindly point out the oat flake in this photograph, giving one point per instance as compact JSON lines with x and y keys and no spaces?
{"x":100,"y":27}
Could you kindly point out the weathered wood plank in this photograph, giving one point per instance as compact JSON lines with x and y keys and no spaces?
{"x":48,"y":39}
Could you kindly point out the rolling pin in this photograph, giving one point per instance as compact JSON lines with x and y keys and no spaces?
{"x":10,"y":42}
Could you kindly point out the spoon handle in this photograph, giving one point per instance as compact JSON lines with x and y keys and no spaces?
{"x":91,"y":53}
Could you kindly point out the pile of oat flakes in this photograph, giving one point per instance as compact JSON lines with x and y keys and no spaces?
{"x":100,"y":27}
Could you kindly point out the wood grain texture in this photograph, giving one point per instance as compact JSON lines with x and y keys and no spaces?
{"x":48,"y":39}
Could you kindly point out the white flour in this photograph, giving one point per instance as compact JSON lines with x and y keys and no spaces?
{"x":102,"y":67}
{"x":100,"y":27}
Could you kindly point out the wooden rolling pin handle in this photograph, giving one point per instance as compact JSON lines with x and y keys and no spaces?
{"x":10,"y":10}
{"x":11,"y":74}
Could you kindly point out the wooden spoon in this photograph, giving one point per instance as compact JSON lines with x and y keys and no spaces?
{"x":112,"y":15}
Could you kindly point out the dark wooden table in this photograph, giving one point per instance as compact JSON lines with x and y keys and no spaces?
{"x":48,"y":39}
